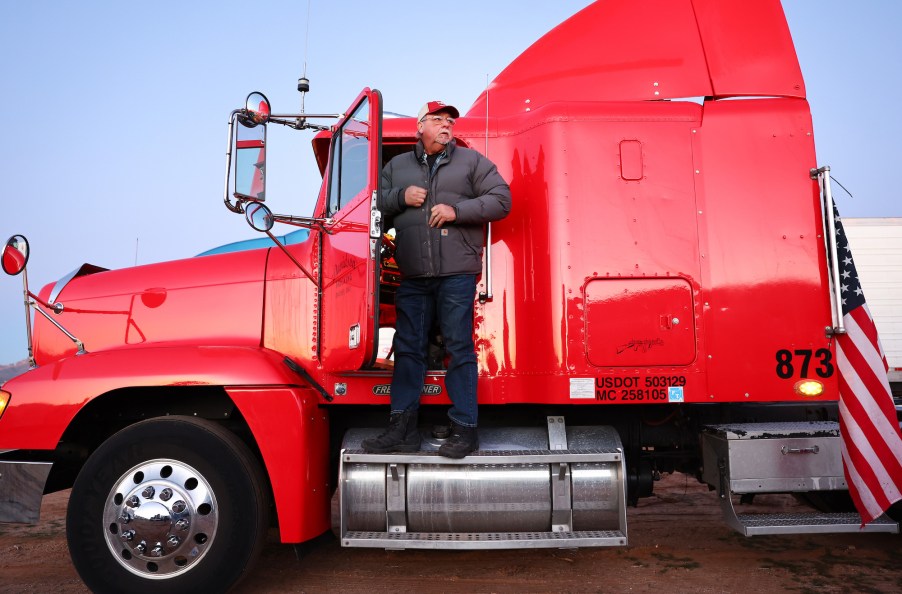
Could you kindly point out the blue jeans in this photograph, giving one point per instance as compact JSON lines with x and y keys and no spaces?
{"x":417,"y":301}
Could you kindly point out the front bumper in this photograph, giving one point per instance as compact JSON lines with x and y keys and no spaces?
{"x":21,"y":489}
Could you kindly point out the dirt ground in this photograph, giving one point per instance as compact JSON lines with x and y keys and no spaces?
{"x":677,"y":543}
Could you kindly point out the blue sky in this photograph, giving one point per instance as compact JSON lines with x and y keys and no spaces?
{"x":116,"y":128}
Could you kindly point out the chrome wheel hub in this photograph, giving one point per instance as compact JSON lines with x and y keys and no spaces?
{"x":160,"y":518}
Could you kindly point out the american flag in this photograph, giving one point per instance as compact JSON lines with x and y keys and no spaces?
{"x":871,"y":442}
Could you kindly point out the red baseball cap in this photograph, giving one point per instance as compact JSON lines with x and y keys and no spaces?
{"x":435,"y":107}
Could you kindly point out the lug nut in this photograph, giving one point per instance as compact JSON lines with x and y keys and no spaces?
{"x":182,"y":524}
{"x":179,"y":506}
{"x":173,"y":541}
{"x":128,"y":535}
{"x":166,"y":494}
{"x":157,"y":551}
{"x":148,"y":493}
{"x":142,"y":546}
{"x":133,"y":501}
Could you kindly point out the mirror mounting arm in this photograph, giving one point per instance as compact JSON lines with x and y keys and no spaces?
{"x":14,"y":259}
{"x":236,"y":207}
{"x":262,"y":219}
{"x":56,"y":308}
{"x":299,"y":121}
{"x":317,"y":223}
{"x":290,"y":256}
{"x":34,"y":305}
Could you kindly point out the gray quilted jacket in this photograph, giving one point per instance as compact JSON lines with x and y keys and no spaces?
{"x":462,"y":178}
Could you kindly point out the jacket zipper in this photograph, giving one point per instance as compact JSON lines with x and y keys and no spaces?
{"x":430,"y":172}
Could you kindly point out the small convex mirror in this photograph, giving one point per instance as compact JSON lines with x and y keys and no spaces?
{"x":259,"y":216}
{"x":256,"y":110}
{"x":15,"y":255}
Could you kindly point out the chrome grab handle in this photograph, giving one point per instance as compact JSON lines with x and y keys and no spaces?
{"x":487,"y":296}
{"x":788,"y":450}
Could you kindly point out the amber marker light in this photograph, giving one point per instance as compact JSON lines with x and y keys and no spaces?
{"x":808,"y":388}
{"x":4,"y":400}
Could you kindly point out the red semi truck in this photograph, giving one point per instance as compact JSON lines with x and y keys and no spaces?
{"x":660,"y":299}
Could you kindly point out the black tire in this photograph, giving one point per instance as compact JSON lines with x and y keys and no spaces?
{"x":335,"y":509}
{"x":204,"y":516}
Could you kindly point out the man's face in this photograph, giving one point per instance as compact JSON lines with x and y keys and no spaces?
{"x":437,"y":130}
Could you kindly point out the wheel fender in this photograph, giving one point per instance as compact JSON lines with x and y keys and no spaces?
{"x":45,"y":399}
{"x":292,"y":433}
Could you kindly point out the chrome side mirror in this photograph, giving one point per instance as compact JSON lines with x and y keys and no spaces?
{"x":250,"y":149}
{"x":259,"y":216}
{"x":15,"y":255}
{"x":256,"y":110}
{"x":262,"y":219}
{"x":14,"y":259}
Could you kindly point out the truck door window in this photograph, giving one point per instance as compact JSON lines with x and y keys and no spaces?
{"x":350,"y":158}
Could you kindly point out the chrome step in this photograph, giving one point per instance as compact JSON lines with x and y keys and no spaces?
{"x":796,"y":457}
{"x":488,"y":457}
{"x":484,"y":540}
{"x":810,"y":523}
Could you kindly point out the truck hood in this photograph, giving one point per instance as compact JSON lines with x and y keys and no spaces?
{"x":215,"y":300}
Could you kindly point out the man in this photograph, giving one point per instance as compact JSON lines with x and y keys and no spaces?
{"x":439,"y":196}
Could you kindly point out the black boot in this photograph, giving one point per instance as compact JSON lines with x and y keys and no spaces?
{"x":402,"y":435}
{"x":463,"y":441}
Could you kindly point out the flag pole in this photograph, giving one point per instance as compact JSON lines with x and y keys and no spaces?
{"x":823,"y":176}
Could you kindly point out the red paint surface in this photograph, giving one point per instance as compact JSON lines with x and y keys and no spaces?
{"x":295,"y":430}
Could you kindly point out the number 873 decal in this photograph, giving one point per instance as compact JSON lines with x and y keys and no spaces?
{"x":803,"y":362}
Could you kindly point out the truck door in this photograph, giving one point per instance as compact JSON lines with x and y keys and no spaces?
{"x":351,"y":244}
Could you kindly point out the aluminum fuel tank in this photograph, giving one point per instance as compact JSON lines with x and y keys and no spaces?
{"x":524,"y":486}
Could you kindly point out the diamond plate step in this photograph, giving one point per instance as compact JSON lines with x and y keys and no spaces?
{"x":794,"y":457}
{"x":489,"y":457}
{"x":813,"y":523}
{"x":485,"y":540}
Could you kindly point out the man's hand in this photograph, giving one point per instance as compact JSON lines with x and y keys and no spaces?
{"x":441,"y":214}
{"x":414,"y":196}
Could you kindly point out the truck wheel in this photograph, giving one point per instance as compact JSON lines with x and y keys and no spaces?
{"x":173,"y":504}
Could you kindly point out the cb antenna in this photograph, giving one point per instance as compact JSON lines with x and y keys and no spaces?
{"x":303,"y":82}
